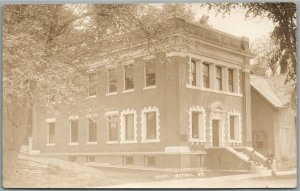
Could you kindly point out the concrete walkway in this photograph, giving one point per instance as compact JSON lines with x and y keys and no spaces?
{"x":234,"y":181}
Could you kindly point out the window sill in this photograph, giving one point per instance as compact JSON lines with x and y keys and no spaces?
{"x":112,"y":142}
{"x":91,"y":143}
{"x":111,"y":93}
{"x":234,"y":141}
{"x":150,"y":141}
{"x":71,"y":144}
{"x":214,"y":90}
{"x":91,"y":97}
{"x":128,"y":91}
{"x":149,"y":87}
{"x":128,"y":141}
{"x":50,"y":144}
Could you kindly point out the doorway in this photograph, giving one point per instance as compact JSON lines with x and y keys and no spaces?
{"x":216,"y":133}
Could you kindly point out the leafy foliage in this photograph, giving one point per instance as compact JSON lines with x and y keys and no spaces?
{"x":283,"y":16}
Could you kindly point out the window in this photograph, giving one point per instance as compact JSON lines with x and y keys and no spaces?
{"x":218,"y":78}
{"x":197,"y":124}
{"x":92,"y":131}
{"x":113,"y":128}
{"x":129,"y":127}
{"x":129,"y":79}
{"x":112,"y":80}
{"x":205,"y":75}
{"x":150,"y":161}
{"x":74,"y":131}
{"x":230,"y":80}
{"x":51,"y":133}
{"x":259,"y":141}
{"x":194,"y":72}
{"x":150,"y":70}
{"x":234,"y":127}
{"x":92,"y":84}
{"x":128,"y":160}
{"x":150,"y":124}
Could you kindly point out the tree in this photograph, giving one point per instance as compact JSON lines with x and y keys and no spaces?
{"x":284,"y":17}
{"x":268,"y":57}
{"x":47,"y":50}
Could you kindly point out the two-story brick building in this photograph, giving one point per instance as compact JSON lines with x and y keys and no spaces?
{"x":174,"y":106}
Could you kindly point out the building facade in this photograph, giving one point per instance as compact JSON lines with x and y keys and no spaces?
{"x":165,"y":107}
{"x":273,"y":118}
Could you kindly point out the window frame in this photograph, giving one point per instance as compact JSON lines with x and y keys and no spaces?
{"x":204,"y":65}
{"x":73,"y":118}
{"x":94,"y":85}
{"x":144,"y":113}
{"x":238,"y":129}
{"x":145,"y":74}
{"x":48,"y":121}
{"x":220,"y":78}
{"x":112,"y":114}
{"x":201,"y":110}
{"x":89,"y":142}
{"x":123,"y":126}
{"x":124,"y":78}
{"x":109,"y":70}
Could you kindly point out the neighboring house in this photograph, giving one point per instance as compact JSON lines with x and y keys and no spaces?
{"x":186,"y":105}
{"x":273,"y":117}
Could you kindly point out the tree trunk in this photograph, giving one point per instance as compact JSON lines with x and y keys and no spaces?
{"x":15,"y":127}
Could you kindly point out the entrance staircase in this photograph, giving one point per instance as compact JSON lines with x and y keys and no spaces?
{"x":234,"y":158}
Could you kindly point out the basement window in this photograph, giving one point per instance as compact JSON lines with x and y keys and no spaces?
{"x":128,"y":160}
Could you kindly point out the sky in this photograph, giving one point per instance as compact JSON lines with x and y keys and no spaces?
{"x":236,"y":24}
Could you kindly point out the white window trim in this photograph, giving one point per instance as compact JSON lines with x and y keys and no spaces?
{"x":144,"y":126}
{"x":49,"y":120}
{"x":108,"y":114}
{"x":122,"y":126}
{"x":108,"y":82}
{"x":200,"y":110}
{"x":92,"y":117}
{"x":75,"y":117}
{"x":237,"y":114}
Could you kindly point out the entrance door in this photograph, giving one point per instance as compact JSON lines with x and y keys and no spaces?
{"x":215,"y":133}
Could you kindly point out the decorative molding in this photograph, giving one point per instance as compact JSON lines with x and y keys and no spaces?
{"x":214,"y":91}
{"x":50,"y":120}
{"x":111,"y":113}
{"x":202,"y":126}
{"x":122,"y":125}
{"x":144,"y":127}
{"x":73,"y":117}
{"x":148,"y":57}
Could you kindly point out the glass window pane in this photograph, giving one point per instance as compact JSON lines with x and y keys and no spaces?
{"x":193,"y":71}
{"x":150,"y":73}
{"x":113,"y":128}
{"x":129,"y":83}
{"x":195,"y":124}
{"x":129,"y":127}
{"x":92,"y":131}
{"x":232,"y":128}
{"x":52,"y":133}
{"x":205,"y":75}
{"x":92,"y":84}
{"x":151,"y":125}
{"x":74,"y":131}
{"x":218,"y":78}
{"x":112,"y":75}
{"x":230,"y":80}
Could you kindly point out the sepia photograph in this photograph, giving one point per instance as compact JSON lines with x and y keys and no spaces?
{"x":156,"y":95}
